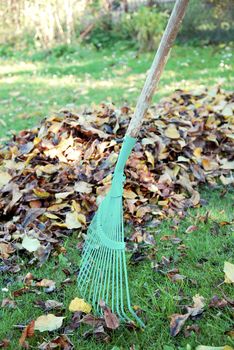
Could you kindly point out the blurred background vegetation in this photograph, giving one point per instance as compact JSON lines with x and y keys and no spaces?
{"x":75,"y":53}
{"x":44,"y":24}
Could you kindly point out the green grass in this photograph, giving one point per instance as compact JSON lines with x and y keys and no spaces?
{"x":206,"y":250}
{"x":33,"y":85}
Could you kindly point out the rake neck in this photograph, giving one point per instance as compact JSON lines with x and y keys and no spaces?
{"x":118,"y":176}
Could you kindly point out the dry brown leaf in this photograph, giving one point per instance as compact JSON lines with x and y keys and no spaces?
{"x":28,"y":332}
{"x":111,"y":319}
{"x":177,"y":323}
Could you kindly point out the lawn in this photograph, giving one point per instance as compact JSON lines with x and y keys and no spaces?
{"x":201,"y":261}
{"x":36,"y":84}
{"x":33,"y":84}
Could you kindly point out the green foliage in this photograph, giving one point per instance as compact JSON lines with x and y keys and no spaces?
{"x":146,"y":26}
{"x":208,"y":22}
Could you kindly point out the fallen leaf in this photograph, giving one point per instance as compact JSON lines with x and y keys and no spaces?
{"x":40,"y":193}
{"x":6,"y":302}
{"x":229,"y":272}
{"x":48,"y":322}
{"x":28,"y":332}
{"x":172,"y":132}
{"x":198,"y":306}
{"x":4,"y":343}
{"x":48,"y":284}
{"x":30,"y":244}
{"x":5,"y":250}
{"x":49,"y":304}
{"x":218,"y":303}
{"x":112,"y":321}
{"x":61,"y":342}
{"x":4,"y":178}
{"x":191,"y":229}
{"x":83,"y":187}
{"x":93,"y":320}
{"x":72,"y":220}
{"x":177,"y":323}
{"x":79,"y":305}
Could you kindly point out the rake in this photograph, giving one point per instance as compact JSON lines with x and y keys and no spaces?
{"x":103,"y":271}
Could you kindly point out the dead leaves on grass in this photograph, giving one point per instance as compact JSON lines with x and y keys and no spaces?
{"x":53,"y":176}
{"x":178,"y":320}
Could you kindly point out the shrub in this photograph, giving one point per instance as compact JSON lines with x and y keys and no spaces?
{"x":146,"y":26}
{"x":143,"y":27}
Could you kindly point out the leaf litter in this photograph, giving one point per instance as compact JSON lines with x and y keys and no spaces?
{"x":54,"y":176}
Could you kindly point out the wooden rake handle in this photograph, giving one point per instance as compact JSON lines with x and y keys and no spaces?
{"x":156,"y":69}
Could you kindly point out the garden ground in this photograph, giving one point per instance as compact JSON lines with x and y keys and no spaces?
{"x":35,"y":85}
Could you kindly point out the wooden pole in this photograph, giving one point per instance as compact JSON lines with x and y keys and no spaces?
{"x":156,"y":69}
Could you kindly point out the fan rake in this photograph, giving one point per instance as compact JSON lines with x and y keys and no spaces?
{"x":103,"y":272}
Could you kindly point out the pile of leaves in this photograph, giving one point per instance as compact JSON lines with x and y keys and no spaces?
{"x":52,"y":177}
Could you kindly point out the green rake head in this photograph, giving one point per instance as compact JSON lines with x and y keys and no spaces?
{"x":103,"y":272}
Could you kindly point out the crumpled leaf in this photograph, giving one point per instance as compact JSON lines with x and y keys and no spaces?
{"x":79,"y":305}
{"x":5,"y":250}
{"x":60,"y":342}
{"x":49,"y":304}
{"x":178,"y":320}
{"x":28,"y":332}
{"x":48,"y":284}
{"x":30,"y":244}
{"x":111,"y":319}
{"x":198,"y":306}
{"x":48,"y":322}
{"x":177,"y":323}
{"x":229,"y":272}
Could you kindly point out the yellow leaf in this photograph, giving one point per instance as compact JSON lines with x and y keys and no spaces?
{"x":72,"y":220}
{"x":76,"y":206}
{"x":36,"y":141}
{"x":30,"y":244}
{"x":209,"y":164}
{"x":4,"y":178}
{"x":57,"y":207}
{"x":172,"y":132}
{"x":150,"y":157}
{"x":51,"y":216}
{"x":40,"y":193}
{"x":229,"y":272}
{"x":79,"y":305}
{"x":129,"y":194}
{"x":48,"y":322}
{"x":197,"y":152}
{"x":81,"y":218}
